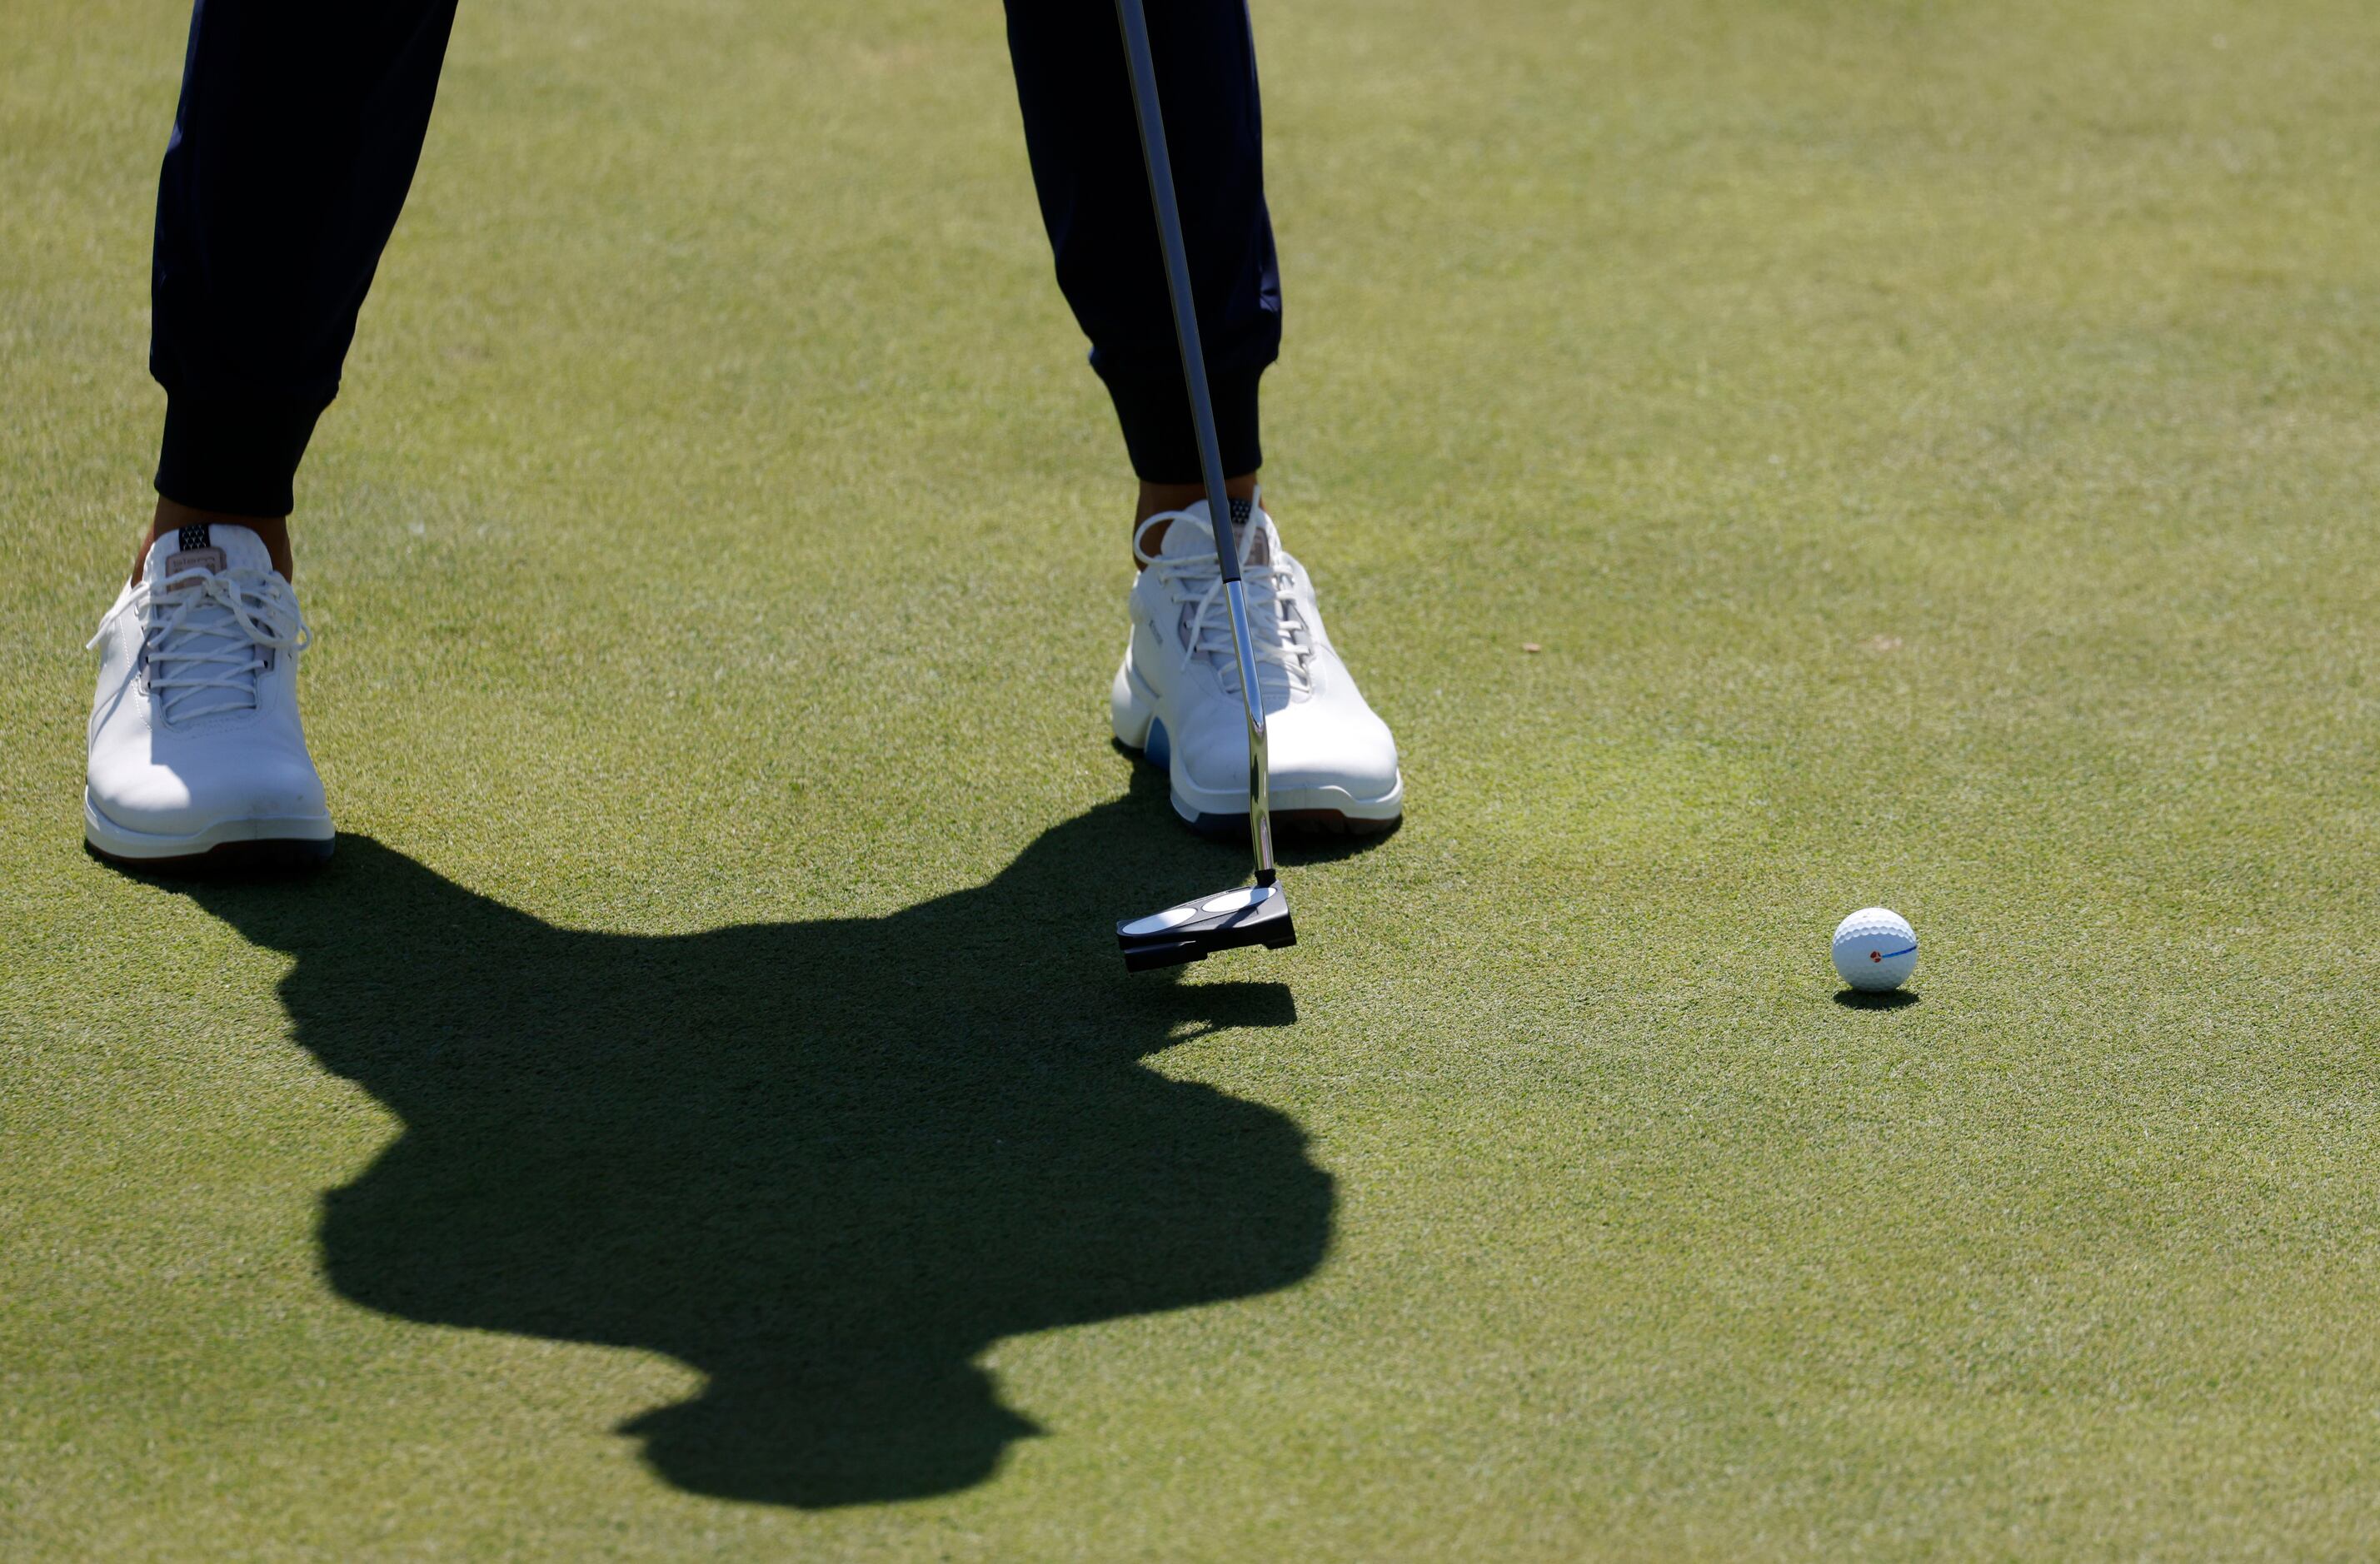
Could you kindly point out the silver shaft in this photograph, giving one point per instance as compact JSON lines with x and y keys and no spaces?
{"x":1202,"y":415}
{"x":1251,"y":702}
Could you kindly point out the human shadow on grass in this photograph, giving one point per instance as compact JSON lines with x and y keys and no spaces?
{"x":827,"y":1164}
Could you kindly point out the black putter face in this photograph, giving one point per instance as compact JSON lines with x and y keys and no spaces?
{"x":1193,"y":930}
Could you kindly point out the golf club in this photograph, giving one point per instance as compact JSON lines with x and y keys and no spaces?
{"x":1256,"y":914}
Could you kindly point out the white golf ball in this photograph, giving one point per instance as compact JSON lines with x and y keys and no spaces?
{"x":1875,"y":948}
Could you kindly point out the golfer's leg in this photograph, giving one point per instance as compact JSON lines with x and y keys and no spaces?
{"x":1085,"y":144}
{"x":296,"y":138}
{"x":293,"y":146}
{"x":1175,"y":698}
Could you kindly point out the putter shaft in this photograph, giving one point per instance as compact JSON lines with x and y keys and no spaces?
{"x":1210,"y":455}
{"x":1260,"y":765}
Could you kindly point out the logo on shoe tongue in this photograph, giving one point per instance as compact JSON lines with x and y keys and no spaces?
{"x":195,"y":559}
{"x":195,"y":550}
{"x":1244,"y":518}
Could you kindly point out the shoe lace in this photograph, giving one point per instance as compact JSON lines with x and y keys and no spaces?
{"x":205,"y":630}
{"x":1193,"y":582}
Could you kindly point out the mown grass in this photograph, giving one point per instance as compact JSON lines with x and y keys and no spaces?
{"x":1935,"y":447}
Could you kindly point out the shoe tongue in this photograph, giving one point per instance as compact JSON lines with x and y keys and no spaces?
{"x":1258,"y":546}
{"x":1251,"y":527}
{"x":203,"y":630}
{"x":215,"y":547}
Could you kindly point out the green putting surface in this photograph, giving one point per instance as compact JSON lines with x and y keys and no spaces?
{"x":1934,"y":450}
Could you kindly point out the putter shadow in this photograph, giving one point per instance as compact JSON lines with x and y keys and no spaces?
{"x":1891,"y":999}
{"x":826,"y":1164}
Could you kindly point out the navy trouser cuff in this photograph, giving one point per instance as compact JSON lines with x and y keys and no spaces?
{"x":228,"y":454}
{"x":1164,"y":442}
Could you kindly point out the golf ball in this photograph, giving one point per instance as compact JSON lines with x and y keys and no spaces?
{"x":1875,"y":948}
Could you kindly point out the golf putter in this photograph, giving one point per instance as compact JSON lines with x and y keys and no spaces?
{"x":1258,"y":914}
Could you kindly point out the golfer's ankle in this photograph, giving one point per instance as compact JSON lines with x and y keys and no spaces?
{"x":172,"y":517}
{"x":1159,"y":497}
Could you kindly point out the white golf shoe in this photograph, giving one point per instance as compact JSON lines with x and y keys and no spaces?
{"x":195,"y":744}
{"x":1177,"y":698}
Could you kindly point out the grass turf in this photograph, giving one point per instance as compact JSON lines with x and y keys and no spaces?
{"x":1935,"y":449}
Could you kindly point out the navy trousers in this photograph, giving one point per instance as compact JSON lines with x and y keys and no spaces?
{"x":300,"y":123}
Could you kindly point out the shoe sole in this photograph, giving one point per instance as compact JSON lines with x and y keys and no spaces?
{"x":1356,"y":817}
{"x":231,"y":847}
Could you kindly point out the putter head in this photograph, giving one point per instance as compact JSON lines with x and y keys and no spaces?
{"x":1193,"y":930}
